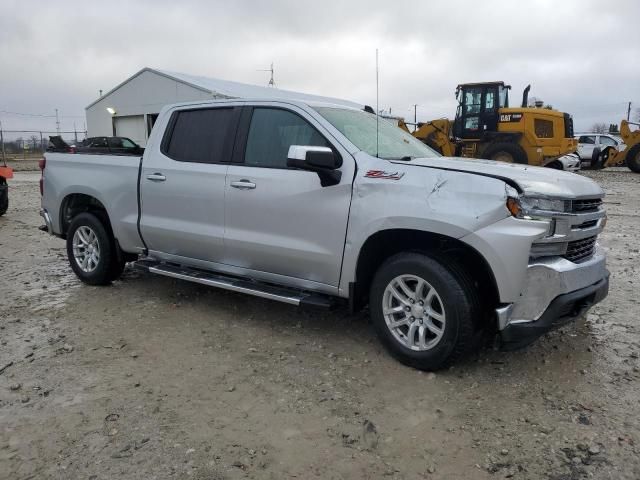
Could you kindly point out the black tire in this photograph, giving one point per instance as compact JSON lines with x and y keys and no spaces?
{"x":633,"y":158}
{"x":509,"y":152}
{"x":4,"y":196}
{"x":596,"y":159}
{"x":556,"y":165}
{"x":460,"y":303}
{"x":103,"y":272}
{"x":117,"y":267}
{"x":119,"y":259}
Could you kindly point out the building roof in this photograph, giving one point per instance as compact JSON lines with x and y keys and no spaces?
{"x":229,"y":89}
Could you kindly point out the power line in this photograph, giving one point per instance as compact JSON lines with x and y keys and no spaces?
{"x":42,"y":115}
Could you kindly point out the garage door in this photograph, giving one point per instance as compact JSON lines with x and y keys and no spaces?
{"x":131,"y":127}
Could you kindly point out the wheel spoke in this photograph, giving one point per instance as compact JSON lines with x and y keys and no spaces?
{"x":399,"y":323}
{"x":399,"y":296}
{"x":422,"y":331}
{"x":82,"y":237}
{"x":411,"y":334}
{"x":405,"y":289}
{"x":431,"y":313}
{"x":392,"y":310}
{"x":429,"y":298}
{"x":433,"y":327}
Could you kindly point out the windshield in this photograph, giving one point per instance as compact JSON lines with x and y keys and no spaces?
{"x":359,"y":127}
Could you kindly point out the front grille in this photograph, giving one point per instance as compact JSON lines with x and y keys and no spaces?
{"x":580,"y":250}
{"x":586,"y":205}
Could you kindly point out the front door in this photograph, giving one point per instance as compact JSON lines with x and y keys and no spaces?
{"x":182,"y":185}
{"x":280,"y":220}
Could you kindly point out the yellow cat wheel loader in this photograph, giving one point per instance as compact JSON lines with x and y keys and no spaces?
{"x":486,"y":127}
{"x":630,"y":156}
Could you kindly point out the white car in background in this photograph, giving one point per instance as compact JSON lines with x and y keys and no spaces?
{"x":589,"y":142}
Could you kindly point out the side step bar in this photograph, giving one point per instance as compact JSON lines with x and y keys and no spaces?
{"x":263,"y":290}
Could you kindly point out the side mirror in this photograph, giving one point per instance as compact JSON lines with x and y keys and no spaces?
{"x":322,"y":160}
{"x":308,"y":157}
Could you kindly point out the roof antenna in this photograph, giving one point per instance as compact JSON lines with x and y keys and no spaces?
{"x":272,"y":82}
{"x":377,"y":108}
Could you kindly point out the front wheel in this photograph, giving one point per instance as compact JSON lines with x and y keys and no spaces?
{"x":505,"y":152}
{"x":633,"y":159}
{"x":423,"y":309}
{"x":90,"y":250}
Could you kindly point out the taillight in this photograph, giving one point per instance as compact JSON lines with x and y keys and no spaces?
{"x":42,"y":163}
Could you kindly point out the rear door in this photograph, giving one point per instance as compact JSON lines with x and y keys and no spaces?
{"x":281,"y":221}
{"x":586,"y":145}
{"x":183,"y":182}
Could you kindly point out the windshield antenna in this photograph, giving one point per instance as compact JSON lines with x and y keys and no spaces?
{"x":377,"y":107}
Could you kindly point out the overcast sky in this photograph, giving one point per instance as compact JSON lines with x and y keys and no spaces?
{"x":581,"y":56}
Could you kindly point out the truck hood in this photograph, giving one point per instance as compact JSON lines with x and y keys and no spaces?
{"x":533,"y":181}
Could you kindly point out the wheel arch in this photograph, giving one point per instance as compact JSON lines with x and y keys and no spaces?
{"x":75,"y":203}
{"x":385,"y":243}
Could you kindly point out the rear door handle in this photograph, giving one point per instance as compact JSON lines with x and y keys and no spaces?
{"x":156,"y":177}
{"x":243,"y":184}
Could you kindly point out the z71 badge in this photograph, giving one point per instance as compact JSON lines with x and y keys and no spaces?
{"x":384,"y":174}
{"x":511,"y":117}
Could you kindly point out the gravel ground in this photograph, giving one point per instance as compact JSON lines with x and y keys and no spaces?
{"x":155,"y":378}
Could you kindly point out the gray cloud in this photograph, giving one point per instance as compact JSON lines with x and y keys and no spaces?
{"x":581,"y":56}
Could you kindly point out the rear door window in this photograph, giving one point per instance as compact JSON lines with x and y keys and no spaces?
{"x":588,"y":139}
{"x":199,"y":136}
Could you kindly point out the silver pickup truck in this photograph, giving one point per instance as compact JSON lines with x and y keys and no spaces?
{"x":313,"y":204}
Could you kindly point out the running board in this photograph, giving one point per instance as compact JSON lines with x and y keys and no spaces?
{"x":280,"y":294}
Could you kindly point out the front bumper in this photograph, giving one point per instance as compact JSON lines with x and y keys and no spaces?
{"x":562,"y":310}
{"x":570,"y":162}
{"x":556,"y":291}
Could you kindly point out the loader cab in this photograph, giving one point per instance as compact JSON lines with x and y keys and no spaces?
{"x":478,"y":105}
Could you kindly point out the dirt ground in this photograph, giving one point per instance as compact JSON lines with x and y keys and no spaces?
{"x":153,"y":378}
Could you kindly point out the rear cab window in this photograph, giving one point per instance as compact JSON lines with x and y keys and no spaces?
{"x":200,"y":136}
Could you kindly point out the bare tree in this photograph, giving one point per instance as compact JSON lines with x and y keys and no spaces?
{"x":599,"y":128}
{"x":34,"y":142}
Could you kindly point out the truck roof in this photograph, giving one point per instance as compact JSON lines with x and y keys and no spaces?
{"x":291,"y":101}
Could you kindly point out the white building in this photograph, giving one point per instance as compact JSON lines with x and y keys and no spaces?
{"x":131,"y":108}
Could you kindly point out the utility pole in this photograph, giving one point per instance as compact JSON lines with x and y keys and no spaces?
{"x":57,"y":123}
{"x":75,"y":134}
{"x":629,"y":112}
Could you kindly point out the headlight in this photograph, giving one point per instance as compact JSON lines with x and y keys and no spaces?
{"x":532,"y":204}
{"x":533,"y":208}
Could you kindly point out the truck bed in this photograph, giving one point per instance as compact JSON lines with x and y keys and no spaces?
{"x":112,"y":179}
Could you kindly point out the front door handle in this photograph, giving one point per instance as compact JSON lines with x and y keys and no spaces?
{"x":156,"y":177}
{"x":243,"y":184}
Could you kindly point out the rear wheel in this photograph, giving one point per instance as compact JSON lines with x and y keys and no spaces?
{"x":423,"y":310}
{"x":90,"y":249}
{"x":633,"y":158}
{"x":505,"y":152}
{"x":4,"y":196}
